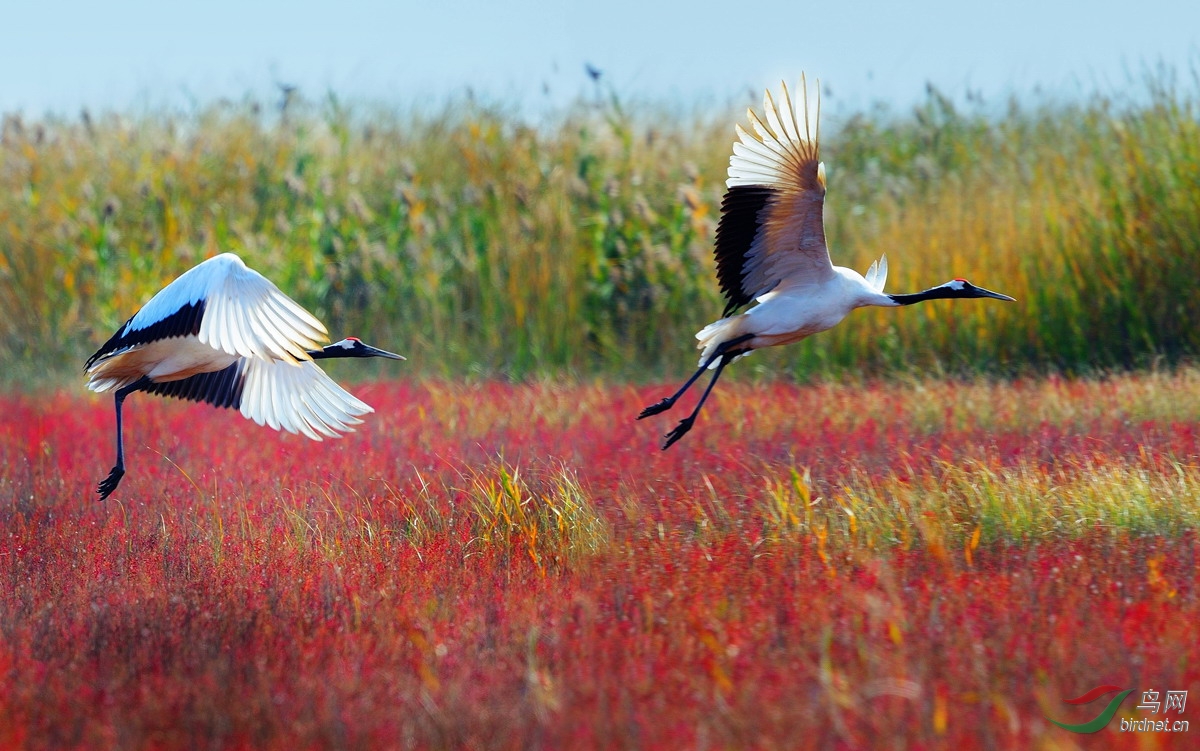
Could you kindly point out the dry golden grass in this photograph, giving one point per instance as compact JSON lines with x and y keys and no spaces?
{"x":481,"y":245}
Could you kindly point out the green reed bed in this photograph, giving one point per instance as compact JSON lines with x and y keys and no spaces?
{"x":478,"y":242}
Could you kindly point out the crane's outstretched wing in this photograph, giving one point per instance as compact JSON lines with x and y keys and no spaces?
{"x":771,"y":230}
{"x":295,"y":398}
{"x":298,"y":399}
{"x":228,"y":306}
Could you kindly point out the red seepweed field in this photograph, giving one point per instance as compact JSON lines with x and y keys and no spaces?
{"x":886,"y":565}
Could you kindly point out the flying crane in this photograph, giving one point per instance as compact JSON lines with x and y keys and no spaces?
{"x":222,"y":333}
{"x":771,"y":250}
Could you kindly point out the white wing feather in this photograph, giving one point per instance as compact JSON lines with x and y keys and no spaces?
{"x":244,"y":312}
{"x":299,"y":399}
{"x":877,"y":275}
{"x":780,"y":152}
{"x":776,"y":149}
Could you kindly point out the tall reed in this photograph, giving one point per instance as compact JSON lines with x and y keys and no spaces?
{"x":477,"y":242}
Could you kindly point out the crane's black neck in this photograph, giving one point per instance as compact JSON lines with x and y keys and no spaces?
{"x":941,"y":292}
{"x":955,"y":289}
{"x":331,"y":352}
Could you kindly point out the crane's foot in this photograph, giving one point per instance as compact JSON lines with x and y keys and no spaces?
{"x":654,"y":409}
{"x":110,"y":483}
{"x":679,"y":432}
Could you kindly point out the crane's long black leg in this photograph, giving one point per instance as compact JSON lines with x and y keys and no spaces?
{"x":665,"y":404}
{"x":110,"y":483}
{"x":686,"y":423}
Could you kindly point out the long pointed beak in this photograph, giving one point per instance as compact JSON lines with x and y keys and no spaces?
{"x":376,"y":352}
{"x":994,"y":295}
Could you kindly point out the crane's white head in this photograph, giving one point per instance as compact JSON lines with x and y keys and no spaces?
{"x":953,"y":289}
{"x":352,"y":346}
{"x":963,"y":288}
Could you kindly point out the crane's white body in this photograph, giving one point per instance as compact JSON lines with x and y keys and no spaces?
{"x":243,"y":318}
{"x":798,"y":310}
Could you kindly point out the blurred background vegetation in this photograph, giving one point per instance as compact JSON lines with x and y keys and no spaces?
{"x":480,"y":243}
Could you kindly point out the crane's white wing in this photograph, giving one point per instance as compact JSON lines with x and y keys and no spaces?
{"x":298,"y":399}
{"x":771,"y":230}
{"x":230,"y":307}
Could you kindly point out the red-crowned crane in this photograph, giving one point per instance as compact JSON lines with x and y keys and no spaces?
{"x":771,"y":249}
{"x":224,"y":334}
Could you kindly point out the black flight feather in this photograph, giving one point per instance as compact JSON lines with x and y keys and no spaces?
{"x":221,"y":388}
{"x":742,"y":212}
{"x":183,"y":322}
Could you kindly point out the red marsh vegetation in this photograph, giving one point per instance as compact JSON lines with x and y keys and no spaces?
{"x":910,"y":566}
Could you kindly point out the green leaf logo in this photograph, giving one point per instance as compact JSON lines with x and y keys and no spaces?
{"x":1101,"y":719}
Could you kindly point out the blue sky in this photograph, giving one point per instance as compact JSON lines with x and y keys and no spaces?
{"x":64,"y":56}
